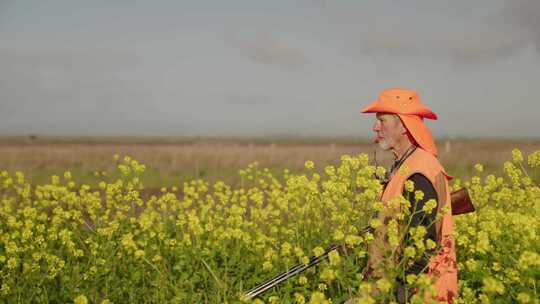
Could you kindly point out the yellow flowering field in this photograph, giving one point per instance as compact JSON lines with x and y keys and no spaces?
{"x":63,"y":241}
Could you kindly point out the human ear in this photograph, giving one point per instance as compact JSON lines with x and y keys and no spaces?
{"x":402,"y":128}
{"x":400,"y":124}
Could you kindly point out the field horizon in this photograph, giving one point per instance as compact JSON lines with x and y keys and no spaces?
{"x":171,"y":161}
{"x":258,"y":139}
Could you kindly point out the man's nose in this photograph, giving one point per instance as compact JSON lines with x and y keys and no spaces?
{"x":376,"y":126}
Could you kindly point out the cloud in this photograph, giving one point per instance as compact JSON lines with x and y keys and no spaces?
{"x":524,"y":14}
{"x":478,"y":45}
{"x":475,"y":38}
{"x":267,"y":49}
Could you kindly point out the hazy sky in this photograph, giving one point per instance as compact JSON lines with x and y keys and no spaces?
{"x":250,"y":67}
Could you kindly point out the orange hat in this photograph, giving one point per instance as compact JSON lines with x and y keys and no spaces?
{"x":406,"y":104}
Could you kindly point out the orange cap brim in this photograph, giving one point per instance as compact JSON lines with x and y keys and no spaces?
{"x":385,"y":107}
{"x":420,"y":132}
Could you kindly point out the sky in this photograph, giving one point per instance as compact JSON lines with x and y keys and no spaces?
{"x":265,"y":68}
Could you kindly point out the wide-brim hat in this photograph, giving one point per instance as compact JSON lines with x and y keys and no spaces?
{"x":406,"y":104}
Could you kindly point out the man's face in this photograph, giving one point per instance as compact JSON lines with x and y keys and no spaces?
{"x":388,"y":129}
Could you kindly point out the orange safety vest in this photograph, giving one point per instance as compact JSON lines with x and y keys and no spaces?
{"x":442,"y":267}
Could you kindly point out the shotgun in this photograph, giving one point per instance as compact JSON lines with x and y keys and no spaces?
{"x":314,"y":260}
{"x":461,"y":204}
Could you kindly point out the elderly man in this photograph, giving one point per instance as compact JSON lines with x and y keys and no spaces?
{"x":399,"y":128}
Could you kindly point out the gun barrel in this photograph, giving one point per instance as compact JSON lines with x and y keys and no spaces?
{"x":314,"y":260}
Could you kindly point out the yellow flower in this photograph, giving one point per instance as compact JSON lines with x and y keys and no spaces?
{"x":517,"y":156}
{"x":409,"y":186}
{"x":12,"y":263}
{"x":471,"y":264}
{"x":338,"y":235}
{"x":365,"y":288}
{"x":139,"y":253}
{"x":20,"y":177}
{"x":479,"y":167}
{"x":267,"y":265}
{"x":299,"y":298}
{"x":375,"y":223}
{"x":403,"y":170}
{"x":380,"y":171}
{"x":318,"y":251}
{"x":534,"y":159}
{"x":411,"y":278}
{"x":491,"y":285}
{"x":418,"y":195}
{"x":523,"y":297}
{"x":409,"y":251}
{"x":309,"y":165}
{"x":429,"y":206}
{"x":529,"y":259}
{"x":383,"y":285}
{"x":127,"y":241}
{"x":352,"y":240}
{"x":328,"y":275}
{"x":285,"y":249}
{"x":393,"y":237}
{"x":318,"y":297}
{"x":81,"y":299}
{"x":5,"y":289}
{"x":378,"y":206}
{"x":334,"y":257}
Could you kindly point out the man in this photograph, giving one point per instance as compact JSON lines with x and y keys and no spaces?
{"x":400,"y":129}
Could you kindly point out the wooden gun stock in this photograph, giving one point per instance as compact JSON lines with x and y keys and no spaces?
{"x":461,"y":202}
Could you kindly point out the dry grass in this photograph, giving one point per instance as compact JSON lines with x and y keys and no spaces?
{"x":171,"y":161}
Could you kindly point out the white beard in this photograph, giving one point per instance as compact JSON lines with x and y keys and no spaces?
{"x":384,"y":144}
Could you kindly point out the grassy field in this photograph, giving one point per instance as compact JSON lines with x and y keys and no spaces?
{"x":172,"y":160}
{"x":62,"y":242}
